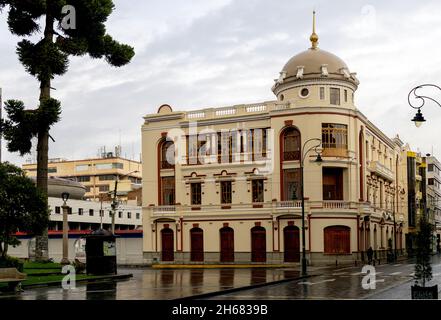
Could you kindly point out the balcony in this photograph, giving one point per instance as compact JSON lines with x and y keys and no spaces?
{"x":381,"y":170}
{"x":265,"y":208}
{"x":330,"y":151}
{"x":336,"y":204}
{"x":292,"y":204}
{"x":164,"y":210}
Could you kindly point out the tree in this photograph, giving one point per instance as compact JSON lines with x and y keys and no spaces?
{"x":22,"y":207}
{"x":423,"y":268}
{"x":68,"y":27}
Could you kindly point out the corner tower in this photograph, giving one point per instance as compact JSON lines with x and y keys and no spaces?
{"x":316,"y":77}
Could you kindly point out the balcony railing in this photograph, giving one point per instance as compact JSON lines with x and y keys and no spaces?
{"x":282,"y":207}
{"x":164,"y":210}
{"x":336,"y":204}
{"x":289,"y":204}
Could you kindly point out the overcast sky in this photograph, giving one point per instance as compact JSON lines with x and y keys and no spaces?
{"x":198,"y":53}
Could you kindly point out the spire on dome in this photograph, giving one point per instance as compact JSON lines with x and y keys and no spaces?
{"x":314,"y":37}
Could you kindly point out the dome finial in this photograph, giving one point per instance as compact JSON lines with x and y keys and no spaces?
{"x":314,"y":37}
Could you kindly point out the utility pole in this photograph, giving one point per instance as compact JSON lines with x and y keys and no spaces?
{"x":114,"y":204}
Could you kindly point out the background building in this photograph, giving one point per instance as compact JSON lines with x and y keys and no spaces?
{"x":224,"y":185}
{"x":97,"y":175}
{"x":83,"y":218}
{"x":434,"y":195}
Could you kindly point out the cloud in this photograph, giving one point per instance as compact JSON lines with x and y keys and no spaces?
{"x":213,"y":53}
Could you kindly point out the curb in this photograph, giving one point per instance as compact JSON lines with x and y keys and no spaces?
{"x":220,"y":266}
{"x":58,"y":283}
{"x":232,"y":290}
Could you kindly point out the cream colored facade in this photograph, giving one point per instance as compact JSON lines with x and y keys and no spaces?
{"x":97,"y":175}
{"x":350,"y":199}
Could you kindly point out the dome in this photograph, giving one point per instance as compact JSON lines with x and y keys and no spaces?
{"x":312,"y":61}
{"x":315,"y":63}
{"x":56,"y":186}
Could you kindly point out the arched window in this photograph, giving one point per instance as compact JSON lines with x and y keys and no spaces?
{"x":166,"y":184}
{"x":167,"y":152}
{"x":291,"y":144}
{"x":337,"y":240}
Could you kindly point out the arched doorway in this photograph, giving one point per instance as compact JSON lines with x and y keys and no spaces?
{"x":258,"y":244}
{"x":167,"y":244}
{"x":291,"y":243}
{"x":226,"y":244}
{"x":197,"y":245}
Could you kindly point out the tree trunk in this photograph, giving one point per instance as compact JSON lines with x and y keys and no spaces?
{"x":42,"y":241}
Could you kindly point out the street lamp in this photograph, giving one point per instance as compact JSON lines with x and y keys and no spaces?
{"x":65,"y":259}
{"x":419,"y":118}
{"x":115,"y":200}
{"x":318,"y":160}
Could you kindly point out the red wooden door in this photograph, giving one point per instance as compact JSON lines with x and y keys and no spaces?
{"x":291,"y":241}
{"x":167,"y":245}
{"x":258,"y":244}
{"x":337,"y":240}
{"x":197,"y":244}
{"x":227,"y":244}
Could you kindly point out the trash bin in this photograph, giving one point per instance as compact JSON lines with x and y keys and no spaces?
{"x":101,"y":253}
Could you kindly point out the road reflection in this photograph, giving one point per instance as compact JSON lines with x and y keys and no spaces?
{"x":160,"y":284}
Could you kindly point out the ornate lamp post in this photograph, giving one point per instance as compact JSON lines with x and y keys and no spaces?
{"x":419,"y":118}
{"x":302,"y":162}
{"x":65,"y":260}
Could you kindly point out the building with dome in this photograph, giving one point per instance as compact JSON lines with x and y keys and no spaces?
{"x":224,"y":185}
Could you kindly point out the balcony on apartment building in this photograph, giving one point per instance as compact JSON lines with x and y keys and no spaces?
{"x":275,"y":208}
{"x":381,"y":170}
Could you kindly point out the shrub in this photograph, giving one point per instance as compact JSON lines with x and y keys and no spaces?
{"x":11,"y":262}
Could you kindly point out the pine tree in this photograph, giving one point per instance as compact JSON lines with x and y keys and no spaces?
{"x":68,"y":27}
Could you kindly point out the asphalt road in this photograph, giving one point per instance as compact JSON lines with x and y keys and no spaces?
{"x":392,"y":282}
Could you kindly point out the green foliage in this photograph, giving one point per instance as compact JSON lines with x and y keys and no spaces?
{"x":10,"y":262}
{"x":49,"y":57}
{"x":42,"y":60}
{"x":23,"y":207}
{"x":423,"y":268}
{"x":23,"y":125}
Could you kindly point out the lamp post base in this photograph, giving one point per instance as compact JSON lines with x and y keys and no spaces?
{"x":304,"y":267}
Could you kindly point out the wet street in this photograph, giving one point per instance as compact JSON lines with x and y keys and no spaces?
{"x":393,"y":282}
{"x":160,"y":284}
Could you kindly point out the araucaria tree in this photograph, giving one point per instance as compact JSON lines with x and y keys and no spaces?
{"x":423,"y":268}
{"x":67,"y":27}
{"x":23,"y":207}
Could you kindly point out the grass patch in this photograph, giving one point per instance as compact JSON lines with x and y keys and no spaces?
{"x":34,"y":272}
{"x":40,"y":265}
